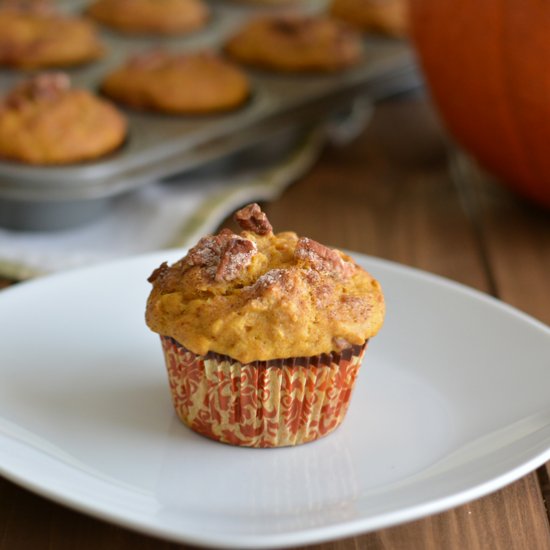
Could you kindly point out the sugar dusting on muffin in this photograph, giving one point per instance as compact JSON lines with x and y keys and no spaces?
{"x":223,"y":256}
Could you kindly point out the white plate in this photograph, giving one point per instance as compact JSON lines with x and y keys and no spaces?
{"x":451,"y":403}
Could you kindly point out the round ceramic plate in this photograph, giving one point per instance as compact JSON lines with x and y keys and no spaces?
{"x":451,"y":403}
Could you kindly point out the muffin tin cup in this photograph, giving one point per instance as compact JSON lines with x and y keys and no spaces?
{"x":275,"y":403}
{"x":160,"y":145}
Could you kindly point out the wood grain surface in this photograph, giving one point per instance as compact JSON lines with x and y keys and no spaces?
{"x":401,"y":192}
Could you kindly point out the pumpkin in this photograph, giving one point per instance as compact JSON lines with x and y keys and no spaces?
{"x":487,"y":65}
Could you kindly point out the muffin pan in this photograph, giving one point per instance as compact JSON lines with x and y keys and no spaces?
{"x":158,"y":146}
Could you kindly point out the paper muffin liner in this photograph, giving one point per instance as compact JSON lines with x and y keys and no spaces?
{"x":273,"y":403}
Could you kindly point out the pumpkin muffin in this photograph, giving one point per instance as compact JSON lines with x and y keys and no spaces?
{"x":33,"y":35}
{"x":263,"y":334}
{"x":178,"y":83}
{"x":389,"y":17}
{"x":150,"y":16}
{"x":44,"y":121}
{"x":296,"y":43}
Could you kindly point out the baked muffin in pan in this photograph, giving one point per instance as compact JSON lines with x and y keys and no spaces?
{"x":296,"y":43}
{"x":179,"y":83}
{"x":163,"y":17}
{"x":44,"y":121}
{"x":34,"y":35}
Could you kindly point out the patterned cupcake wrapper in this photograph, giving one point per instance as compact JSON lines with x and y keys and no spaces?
{"x":264,"y":403}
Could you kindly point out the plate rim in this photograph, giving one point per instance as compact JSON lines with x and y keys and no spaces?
{"x":312,"y":535}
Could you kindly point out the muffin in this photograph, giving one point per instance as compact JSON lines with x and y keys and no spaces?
{"x":190,"y":83}
{"x":150,"y":16}
{"x":44,"y":121}
{"x":296,"y":43}
{"x":389,"y":17}
{"x":33,"y":36}
{"x":263,"y":334}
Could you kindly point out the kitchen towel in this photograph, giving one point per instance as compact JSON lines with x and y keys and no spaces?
{"x":173,"y":213}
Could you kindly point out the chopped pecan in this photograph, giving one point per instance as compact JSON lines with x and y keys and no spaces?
{"x":158,"y":272}
{"x":322,"y":258}
{"x":251,"y":218}
{"x":235,"y":256}
{"x":206,"y":253}
{"x":43,"y":86}
{"x":278,"y":281}
{"x":223,"y":256}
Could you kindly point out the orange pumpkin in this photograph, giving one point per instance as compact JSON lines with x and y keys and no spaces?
{"x":487,"y":64}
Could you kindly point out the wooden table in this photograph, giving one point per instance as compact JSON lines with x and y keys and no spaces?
{"x":390,"y":194}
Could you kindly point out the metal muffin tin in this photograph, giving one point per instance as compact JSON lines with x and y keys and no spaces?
{"x":158,"y":146}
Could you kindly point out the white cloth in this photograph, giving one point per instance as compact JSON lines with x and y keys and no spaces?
{"x":160,"y":215}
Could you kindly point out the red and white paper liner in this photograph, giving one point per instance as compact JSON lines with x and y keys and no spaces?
{"x":263,"y":403}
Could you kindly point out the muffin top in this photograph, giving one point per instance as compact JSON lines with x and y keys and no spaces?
{"x":296,"y":43}
{"x":33,"y":35}
{"x":45,"y":121}
{"x":198,"y":82}
{"x":261,"y":296}
{"x":151,"y":16}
